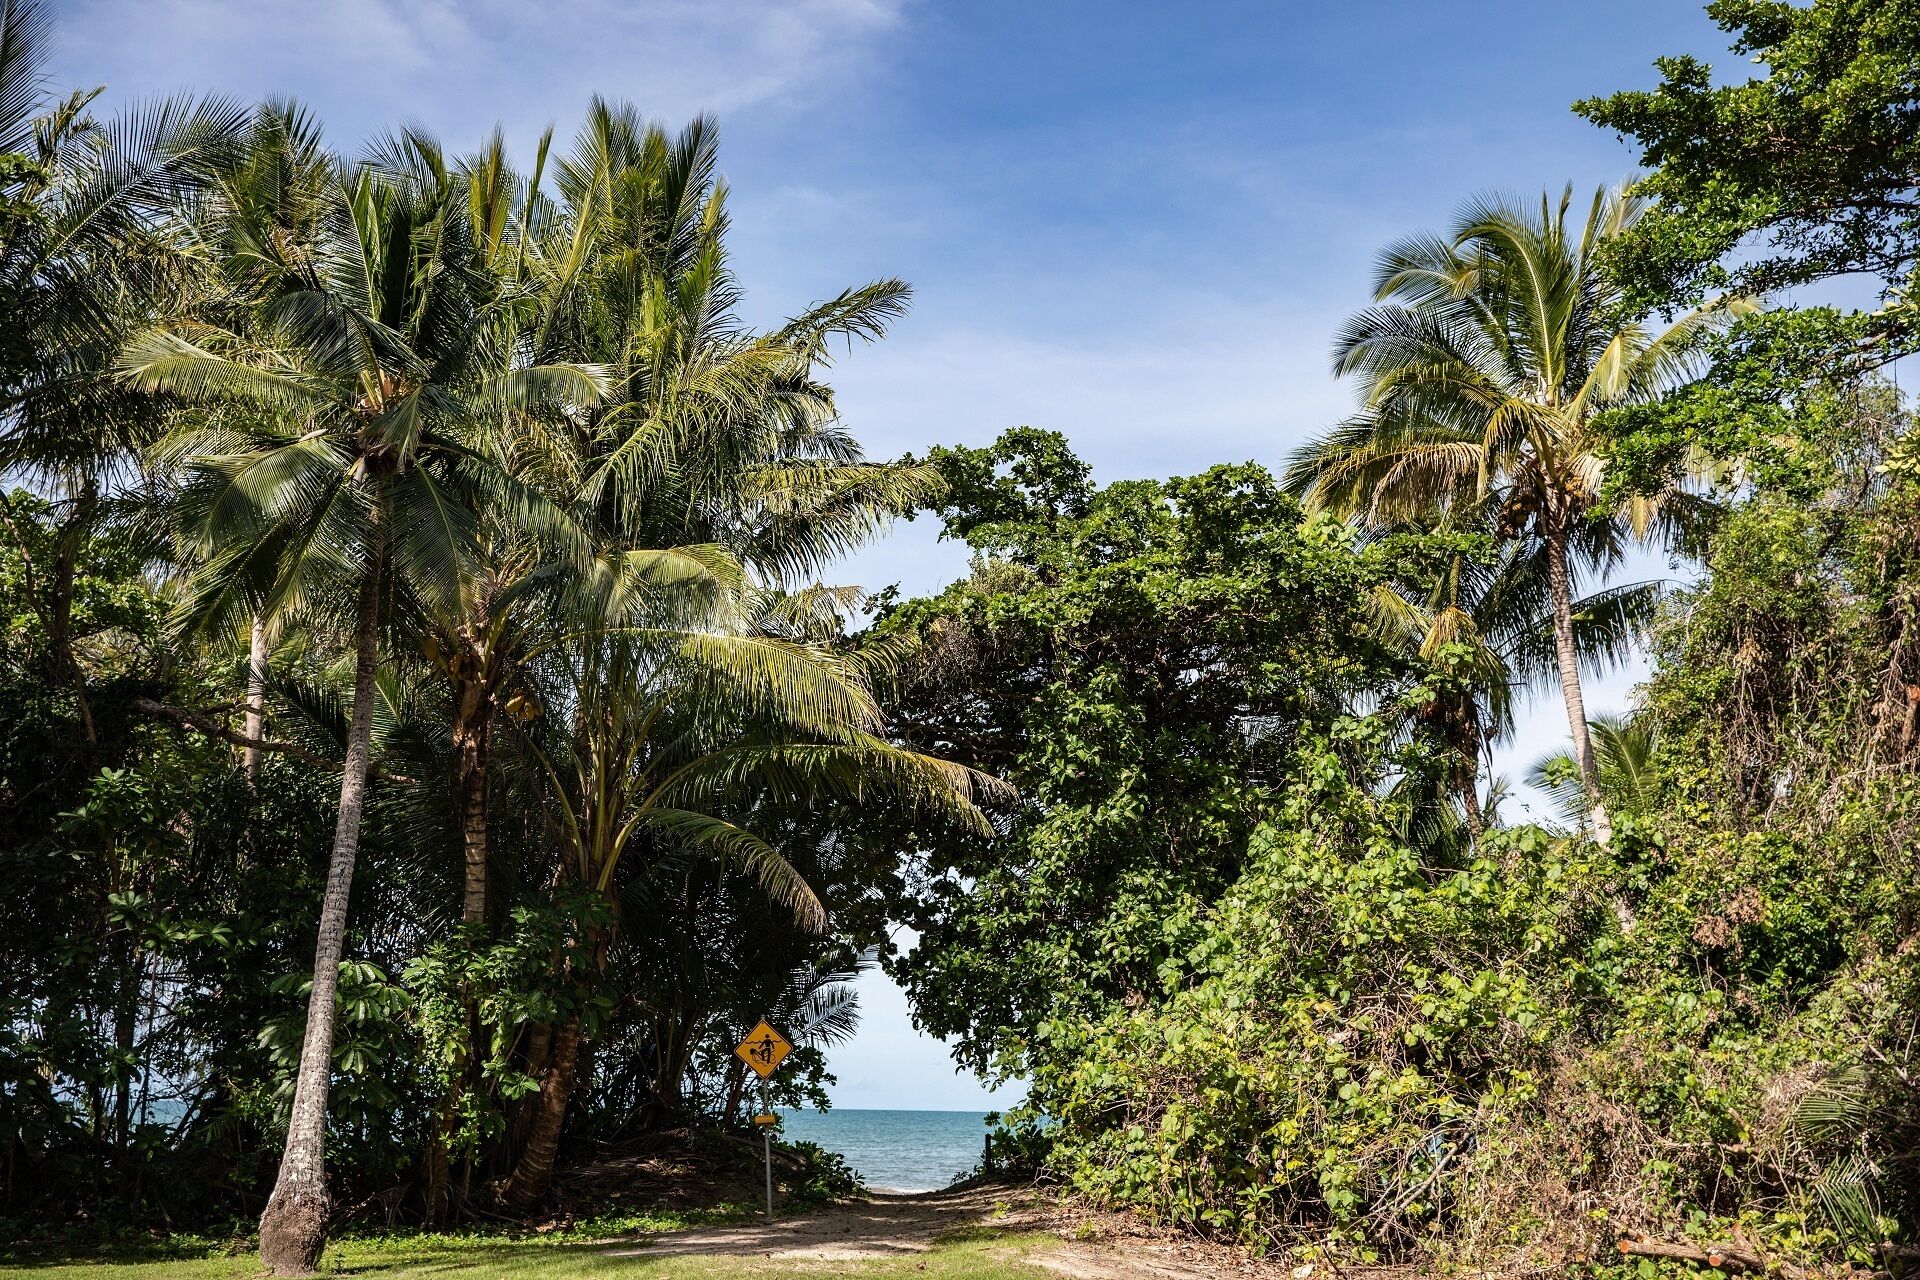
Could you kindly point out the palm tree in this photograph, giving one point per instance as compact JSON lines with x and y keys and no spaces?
{"x":686,"y":705}
{"x":714,"y":433}
{"x":90,"y":216}
{"x":1625,"y":747}
{"x":1481,"y":633}
{"x":362,"y":375}
{"x":1483,"y":369}
{"x":711,"y":433}
{"x":716,"y":441}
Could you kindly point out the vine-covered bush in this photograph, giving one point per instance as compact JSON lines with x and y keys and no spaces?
{"x":1332,"y":1050}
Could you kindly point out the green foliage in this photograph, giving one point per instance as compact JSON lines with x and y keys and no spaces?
{"x":1817,"y":154}
{"x":1327,"y":1053}
{"x":510,"y":984}
{"x":262,"y":379}
{"x":825,"y":1177}
{"x":1367,"y":1041}
{"x":1138,"y":660}
{"x":1238,"y":915}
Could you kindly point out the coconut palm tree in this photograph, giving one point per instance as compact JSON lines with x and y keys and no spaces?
{"x":714,"y":432}
{"x":683,"y":710}
{"x":350,"y":472}
{"x":711,"y":433}
{"x":1481,"y":632}
{"x":1483,"y":368}
{"x":718,"y":447}
{"x":252,"y":226}
{"x":1625,"y":747}
{"x":90,"y":249}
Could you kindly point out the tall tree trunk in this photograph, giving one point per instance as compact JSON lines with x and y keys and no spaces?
{"x":1560,"y":584}
{"x":1470,"y":803}
{"x":533,"y":1175}
{"x":294,"y":1227}
{"x":256,"y":697}
{"x":472,"y":740}
{"x":472,"y":735}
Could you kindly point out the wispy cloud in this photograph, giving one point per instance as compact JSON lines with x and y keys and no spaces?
{"x":459,"y":65}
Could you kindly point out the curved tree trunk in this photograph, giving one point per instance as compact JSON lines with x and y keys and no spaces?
{"x":257,"y":652}
{"x":294,"y":1227}
{"x":1560,"y":585}
{"x":533,"y":1175}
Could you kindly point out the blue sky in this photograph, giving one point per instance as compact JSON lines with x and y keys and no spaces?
{"x":1137,"y":223}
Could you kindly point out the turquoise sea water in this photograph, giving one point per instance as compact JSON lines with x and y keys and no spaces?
{"x":896,"y":1150}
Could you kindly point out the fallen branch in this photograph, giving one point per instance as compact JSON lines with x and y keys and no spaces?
{"x":206,"y":723}
{"x":1722,"y":1257}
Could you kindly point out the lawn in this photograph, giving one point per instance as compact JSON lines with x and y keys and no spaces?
{"x":975,"y":1255}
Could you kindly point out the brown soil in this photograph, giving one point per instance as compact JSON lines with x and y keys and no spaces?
{"x":1086,"y":1246}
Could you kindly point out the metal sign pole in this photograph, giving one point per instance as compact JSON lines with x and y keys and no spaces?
{"x":763,"y":1050}
{"x":766,"y":1147}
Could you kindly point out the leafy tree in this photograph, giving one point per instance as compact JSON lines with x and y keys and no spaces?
{"x":1138,"y":660}
{"x":1482,"y":372}
{"x":1800,"y":173}
{"x":1815,"y":161}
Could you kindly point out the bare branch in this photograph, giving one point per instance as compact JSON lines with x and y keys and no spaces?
{"x":206,"y":723}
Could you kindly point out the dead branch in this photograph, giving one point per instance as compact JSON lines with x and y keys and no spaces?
{"x":1723,"y":1257}
{"x":208,"y":724}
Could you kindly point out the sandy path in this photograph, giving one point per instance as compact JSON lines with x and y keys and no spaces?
{"x":883,"y":1225}
{"x":879,"y":1225}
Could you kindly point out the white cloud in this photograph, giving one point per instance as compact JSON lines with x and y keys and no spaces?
{"x":458,"y":65}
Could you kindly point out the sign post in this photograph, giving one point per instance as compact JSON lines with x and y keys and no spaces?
{"x":764,"y":1050}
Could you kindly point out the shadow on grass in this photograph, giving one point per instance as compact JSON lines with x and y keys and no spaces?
{"x":978,"y":1233}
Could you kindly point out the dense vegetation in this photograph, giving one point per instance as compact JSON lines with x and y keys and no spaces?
{"x":428,"y":741}
{"x":1256,"y":930}
{"x":461,"y":504}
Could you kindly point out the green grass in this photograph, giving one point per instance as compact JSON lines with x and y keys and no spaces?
{"x":996,"y":1257}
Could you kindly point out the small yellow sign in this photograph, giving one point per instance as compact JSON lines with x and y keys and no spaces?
{"x":769,"y":1118}
{"x":764,"y":1049}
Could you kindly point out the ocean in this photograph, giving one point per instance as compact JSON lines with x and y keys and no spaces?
{"x":896,"y":1150}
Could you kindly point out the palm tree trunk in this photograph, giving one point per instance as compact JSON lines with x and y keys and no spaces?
{"x":471,"y":743}
{"x":1560,"y":585}
{"x":533,"y":1174}
{"x":1470,"y":803}
{"x":294,"y":1227}
{"x":256,"y":697}
{"x":472,"y":725}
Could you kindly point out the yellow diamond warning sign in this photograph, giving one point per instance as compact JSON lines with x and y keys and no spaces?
{"x":764,"y":1049}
